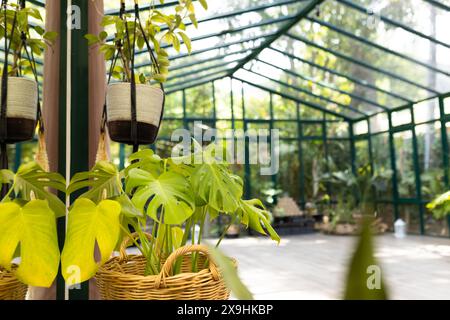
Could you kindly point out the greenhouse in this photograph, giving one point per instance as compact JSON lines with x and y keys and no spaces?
{"x":321,"y":126}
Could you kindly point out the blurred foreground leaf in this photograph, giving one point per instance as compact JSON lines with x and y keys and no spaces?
{"x":364,"y":279}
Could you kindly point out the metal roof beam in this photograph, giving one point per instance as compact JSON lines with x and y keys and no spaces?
{"x":299,"y":16}
{"x":362,"y":63}
{"x":290,"y":97}
{"x":201,"y":77}
{"x":339,"y":74}
{"x":198,"y":62}
{"x":393,"y":22}
{"x":377,"y":46}
{"x":325,"y":85}
{"x":192,"y":84}
{"x":198,"y":70}
{"x":438,"y":4}
{"x":307,"y":92}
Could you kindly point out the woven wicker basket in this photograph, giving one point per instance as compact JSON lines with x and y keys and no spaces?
{"x":122,"y":278}
{"x":10,"y":287}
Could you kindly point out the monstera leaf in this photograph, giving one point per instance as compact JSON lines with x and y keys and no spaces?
{"x":146,"y":160}
{"x":33,"y":229}
{"x":214,"y":185}
{"x":254,"y":215}
{"x":103,"y":180}
{"x":31,"y":180}
{"x":89,"y":224}
{"x":170,"y":192}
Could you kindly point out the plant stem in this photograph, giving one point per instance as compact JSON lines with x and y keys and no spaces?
{"x":225,"y":231}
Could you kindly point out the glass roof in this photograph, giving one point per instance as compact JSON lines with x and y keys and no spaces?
{"x":353,"y":58}
{"x":350,"y":58}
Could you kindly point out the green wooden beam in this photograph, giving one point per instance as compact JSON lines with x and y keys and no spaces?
{"x":79,"y":117}
{"x":362,"y":63}
{"x":268,"y":42}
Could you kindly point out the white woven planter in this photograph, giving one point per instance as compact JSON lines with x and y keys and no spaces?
{"x":149,"y":103}
{"x":22,"y":98}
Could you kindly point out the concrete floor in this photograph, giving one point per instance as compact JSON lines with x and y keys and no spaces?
{"x":314,"y":266}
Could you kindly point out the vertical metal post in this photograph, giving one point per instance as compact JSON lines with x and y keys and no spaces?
{"x":395,"y":195}
{"x":18,"y":156}
{"x":247,"y":169}
{"x":325,"y":149}
{"x":300,"y":159}
{"x":445,"y":151}
{"x":122,"y":156}
{"x":213,"y":87}
{"x":233,"y":120}
{"x":351,"y":134}
{"x":417,"y":173}
{"x":370,"y":147}
{"x":79,"y":110}
{"x":274,"y":177}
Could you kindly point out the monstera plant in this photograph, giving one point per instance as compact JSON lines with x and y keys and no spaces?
{"x":28,"y":223}
{"x":169,"y":196}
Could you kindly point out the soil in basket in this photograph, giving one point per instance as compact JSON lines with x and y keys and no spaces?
{"x":20,"y":130}
{"x":120,"y":131}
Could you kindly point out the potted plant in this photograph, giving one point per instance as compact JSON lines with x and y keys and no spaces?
{"x":20,"y":94}
{"x":175,"y":195}
{"x":135,"y":101}
{"x":28,"y":230}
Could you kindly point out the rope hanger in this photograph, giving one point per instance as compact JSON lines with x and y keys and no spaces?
{"x":132,"y":52}
{"x":4,"y":85}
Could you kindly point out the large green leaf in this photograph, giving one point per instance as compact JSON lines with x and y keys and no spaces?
{"x":216,"y":186}
{"x":32,"y":179}
{"x":254,"y":215}
{"x":33,"y":228}
{"x":363,"y":270}
{"x":230,"y":275}
{"x":170,"y":192}
{"x":103,"y":180}
{"x":89,"y":225}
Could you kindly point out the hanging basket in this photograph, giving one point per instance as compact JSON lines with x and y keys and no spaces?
{"x":22,"y":109}
{"x":149,"y":108}
{"x":10,"y":287}
{"x":122,"y":278}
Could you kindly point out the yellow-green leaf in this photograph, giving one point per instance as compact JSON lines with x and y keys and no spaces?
{"x":186,"y":40}
{"x":33,"y":228}
{"x":89,"y":225}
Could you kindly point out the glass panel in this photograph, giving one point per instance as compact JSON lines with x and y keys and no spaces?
{"x":360,"y":128}
{"x":257,"y":103}
{"x":406,"y":176}
{"x":362,"y":153}
{"x":379,"y":123}
{"x":312,"y":129}
{"x":430,"y":159}
{"x":284,"y":109}
{"x":401,"y":117}
{"x":382,"y":165}
{"x":288,"y":178}
{"x":287,"y":129}
{"x":223,"y":98}
{"x":410,"y":214}
{"x":174,"y":105}
{"x":426,"y":111}
{"x":199,"y":102}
